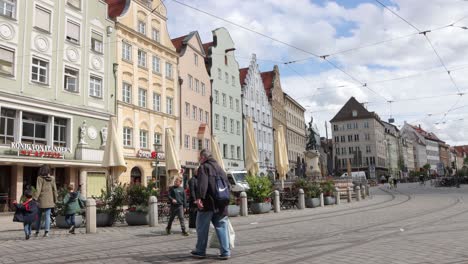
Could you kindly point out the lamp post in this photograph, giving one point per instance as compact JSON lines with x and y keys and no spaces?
{"x":157,"y":147}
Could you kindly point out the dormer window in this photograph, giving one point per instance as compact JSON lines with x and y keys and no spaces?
{"x":354,"y":113}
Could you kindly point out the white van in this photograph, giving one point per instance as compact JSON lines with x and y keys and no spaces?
{"x":237,"y":181}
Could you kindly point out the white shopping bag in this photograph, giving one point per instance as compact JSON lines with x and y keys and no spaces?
{"x":214,"y":242}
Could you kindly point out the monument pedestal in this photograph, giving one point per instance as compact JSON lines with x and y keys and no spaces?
{"x":312,"y":160}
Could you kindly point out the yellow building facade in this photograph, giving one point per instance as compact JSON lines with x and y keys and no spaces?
{"x":147,"y":90}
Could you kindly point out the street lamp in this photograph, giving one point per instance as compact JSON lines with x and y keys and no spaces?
{"x":157,"y":147}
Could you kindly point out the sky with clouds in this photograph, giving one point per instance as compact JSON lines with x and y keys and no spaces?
{"x":403,"y":76}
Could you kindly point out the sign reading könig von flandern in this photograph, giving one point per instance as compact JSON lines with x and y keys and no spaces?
{"x":41,"y":151}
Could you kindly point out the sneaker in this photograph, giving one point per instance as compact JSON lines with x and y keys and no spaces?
{"x":221,"y":257}
{"x":27,"y":237}
{"x":197,"y":255}
{"x":168,"y":231}
{"x":46,"y":234}
{"x":36,"y":234}
{"x":185,"y":233}
{"x":72,"y":230}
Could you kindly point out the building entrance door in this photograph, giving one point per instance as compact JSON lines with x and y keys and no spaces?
{"x":30,"y":177}
{"x":5,"y":185}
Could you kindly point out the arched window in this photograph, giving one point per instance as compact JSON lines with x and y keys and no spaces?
{"x":135,"y":175}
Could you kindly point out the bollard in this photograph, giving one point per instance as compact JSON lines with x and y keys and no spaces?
{"x":358,"y":193}
{"x":301,"y":204}
{"x":363,"y":192}
{"x":90,"y":216}
{"x":338,"y":196}
{"x":368,"y":190}
{"x":349,"y":194}
{"x":244,"y":209}
{"x":276,"y":201}
{"x":322,"y":202}
{"x":153,"y":211}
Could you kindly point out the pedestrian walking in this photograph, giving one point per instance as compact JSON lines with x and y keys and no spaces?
{"x":73,"y":204}
{"x":395,"y":182}
{"x":46,"y":195}
{"x":26,"y":212}
{"x":192,"y":201}
{"x":211,"y":192}
{"x":178,"y":201}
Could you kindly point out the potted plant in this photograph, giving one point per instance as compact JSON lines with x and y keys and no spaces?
{"x":328,"y":189}
{"x":233,"y":207}
{"x":312,"y":195}
{"x":60,"y":208}
{"x":109,"y":206}
{"x":259,"y":192}
{"x":137,"y":199}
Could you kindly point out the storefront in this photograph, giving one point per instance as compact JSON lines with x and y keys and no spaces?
{"x":142,"y":168}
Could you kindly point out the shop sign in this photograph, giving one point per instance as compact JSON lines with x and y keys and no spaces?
{"x":234,"y":164}
{"x":150,"y":154}
{"x":191,"y":163}
{"x":41,"y":151}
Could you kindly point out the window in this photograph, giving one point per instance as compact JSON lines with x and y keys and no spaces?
{"x":190,"y":82}
{"x":197,"y":85}
{"x":216,"y":97}
{"x":356,"y":137}
{"x":169,"y":107}
{"x":143,"y":139}
{"x":366,"y":124}
{"x":232,"y":126}
{"x":200,"y":116}
{"x":187,"y":109}
{"x":194,"y":143}
{"x":224,"y":99}
{"x":226,"y":77}
{"x":238,"y":152}
{"x":127,"y":137}
{"x":225,"y":151}
{"x":203,"y":88}
{"x":95,"y":87}
{"x":141,"y":97}
{"x":343,"y":139}
{"x":126,"y":51}
{"x":233,"y":81}
{"x":337,"y":151}
{"x":337,"y":139}
{"x":200,"y":144}
{"x":7,"y":60}
{"x":367,"y":136}
{"x":207,"y":144}
{"x":195,"y":59}
{"x":217,"y":121}
{"x":60,"y":132}
{"x":224,"y":123}
{"x":168,"y":70}
{"x":194,"y":113}
{"x":7,"y":126}
{"x":335,"y":128}
{"x":348,"y":126}
{"x":42,"y":21}
{"x":141,"y":27}
{"x":8,"y":8}
{"x":156,"y":64}
{"x":71,"y":80}
{"x":220,"y":74}
{"x":155,"y":35}
{"x":141,"y":58}
{"x":368,"y":149}
{"x":34,"y":128}
{"x":74,"y":3}
{"x":73,"y":32}
{"x":156,"y":102}
{"x":186,"y":141}
{"x":96,"y":42}
{"x":126,"y":93}
{"x":238,"y":127}
{"x":237,"y":105}
{"x":350,"y":138}
{"x":39,"y":71}
{"x":207,"y":117}
{"x":231,"y":102}
{"x":232,"y":151}
{"x":157,"y":138}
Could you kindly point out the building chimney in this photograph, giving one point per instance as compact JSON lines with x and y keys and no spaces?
{"x":419,"y":126}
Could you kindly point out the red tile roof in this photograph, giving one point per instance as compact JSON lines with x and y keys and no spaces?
{"x":178,"y":42}
{"x":461,"y":149}
{"x":267,"y":78}
{"x":243,"y":75}
{"x":116,"y":7}
{"x":206,"y":47}
{"x":425,"y":134}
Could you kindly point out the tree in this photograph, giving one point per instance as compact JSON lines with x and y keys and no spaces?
{"x":465,"y":161}
{"x":427,"y":167}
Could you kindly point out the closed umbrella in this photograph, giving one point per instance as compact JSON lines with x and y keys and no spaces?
{"x":251,"y":149}
{"x":281,"y":155}
{"x":113,"y":155}
{"x":216,"y":152}
{"x":172,"y":157}
{"x":348,"y":167}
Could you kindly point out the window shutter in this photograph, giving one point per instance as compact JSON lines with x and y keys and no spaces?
{"x":96,"y":36}
{"x":73,"y":31}
{"x":75,"y":3}
{"x":42,"y":19}
{"x":7,"y":55}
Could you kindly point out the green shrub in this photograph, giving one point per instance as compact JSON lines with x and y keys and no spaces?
{"x":260,"y":189}
{"x":313,"y":190}
{"x":328,"y":188}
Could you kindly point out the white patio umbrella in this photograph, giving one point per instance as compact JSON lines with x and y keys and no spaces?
{"x":281,"y":155}
{"x":251,"y":149}
{"x":113,"y":154}
{"x":216,"y":152}
{"x":172,"y":157}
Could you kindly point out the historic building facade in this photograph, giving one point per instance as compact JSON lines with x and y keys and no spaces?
{"x":148,"y":88}
{"x":195,"y":92}
{"x":392,"y":145}
{"x":358,"y":136}
{"x":56,"y":92}
{"x":295,"y":132}
{"x":256,"y":105}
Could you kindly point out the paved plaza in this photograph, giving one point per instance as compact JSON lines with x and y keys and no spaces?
{"x":414,"y":224}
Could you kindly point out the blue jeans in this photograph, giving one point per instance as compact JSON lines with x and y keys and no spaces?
{"x":203,"y":228}
{"x":47,"y":219}
{"x":27,"y":228}
{"x":70,"y":219}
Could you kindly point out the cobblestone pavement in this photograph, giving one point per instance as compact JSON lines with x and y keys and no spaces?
{"x":414,"y":224}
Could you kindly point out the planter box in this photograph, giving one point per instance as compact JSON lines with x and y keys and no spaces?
{"x":104,"y":219}
{"x":136,"y":218}
{"x":233,"y":210}
{"x":312,"y":202}
{"x":329,"y":200}
{"x":260,"y":208}
{"x":61,"y":223}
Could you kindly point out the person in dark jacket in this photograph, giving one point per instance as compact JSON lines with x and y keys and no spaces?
{"x":46,"y":195}
{"x":192,"y":183}
{"x":178,"y":201}
{"x":208,"y":210}
{"x":72,"y":201}
{"x":27,"y":212}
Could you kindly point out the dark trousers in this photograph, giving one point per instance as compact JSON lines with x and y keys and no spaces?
{"x":193,"y":216}
{"x":70,"y":219}
{"x":179,"y":211}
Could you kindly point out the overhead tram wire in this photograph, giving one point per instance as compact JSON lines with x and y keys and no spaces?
{"x":274,"y":39}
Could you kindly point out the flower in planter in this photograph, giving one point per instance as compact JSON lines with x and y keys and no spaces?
{"x":260,"y":188}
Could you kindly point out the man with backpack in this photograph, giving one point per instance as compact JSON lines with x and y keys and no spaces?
{"x":212,"y":195}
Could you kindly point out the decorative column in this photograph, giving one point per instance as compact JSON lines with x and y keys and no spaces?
{"x":83,"y":176}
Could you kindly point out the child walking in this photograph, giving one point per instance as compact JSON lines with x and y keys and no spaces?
{"x":27,"y":213}
{"x":178,"y":201}
{"x":72,"y":206}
